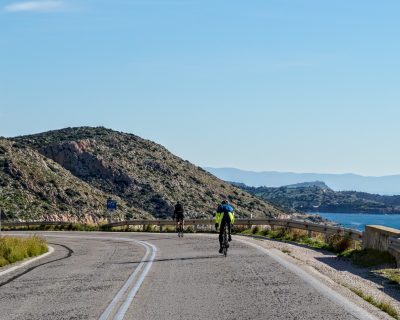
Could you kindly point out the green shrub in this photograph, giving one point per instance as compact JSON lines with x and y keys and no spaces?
{"x":149,"y":228}
{"x":277,"y":234}
{"x":338,"y":243}
{"x":293,"y":235}
{"x":238,"y":229}
{"x":169,"y":229}
{"x":256,"y":230}
{"x":78,"y":227}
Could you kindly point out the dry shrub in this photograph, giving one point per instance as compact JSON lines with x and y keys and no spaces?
{"x":339,"y":243}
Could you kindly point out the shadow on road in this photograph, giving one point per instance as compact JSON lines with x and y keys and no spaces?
{"x":68,"y":255}
{"x":174,"y":259}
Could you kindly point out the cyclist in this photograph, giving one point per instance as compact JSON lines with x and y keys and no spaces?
{"x":179,"y":215}
{"x":224,"y":217}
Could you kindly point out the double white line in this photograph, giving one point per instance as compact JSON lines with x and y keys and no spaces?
{"x":118,"y":307}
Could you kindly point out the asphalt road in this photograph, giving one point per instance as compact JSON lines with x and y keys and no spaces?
{"x":159,"y":276}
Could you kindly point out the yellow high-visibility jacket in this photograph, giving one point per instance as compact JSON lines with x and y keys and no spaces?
{"x":222,"y":209}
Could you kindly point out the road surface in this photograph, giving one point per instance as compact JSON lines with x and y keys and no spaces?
{"x":159,"y":276}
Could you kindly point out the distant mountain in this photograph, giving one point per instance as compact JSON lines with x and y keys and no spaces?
{"x":312,"y":198}
{"x":387,"y":185}
{"x":69,"y":174}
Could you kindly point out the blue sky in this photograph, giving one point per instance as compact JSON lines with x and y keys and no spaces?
{"x":300,"y":85}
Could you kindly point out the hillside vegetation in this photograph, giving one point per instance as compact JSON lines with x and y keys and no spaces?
{"x":317,"y":197}
{"x":34,"y":187}
{"x":69,"y":174}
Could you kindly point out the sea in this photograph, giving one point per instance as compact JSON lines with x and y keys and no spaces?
{"x":360,"y":220}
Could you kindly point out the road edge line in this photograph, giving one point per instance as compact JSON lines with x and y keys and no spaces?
{"x":326,"y":291}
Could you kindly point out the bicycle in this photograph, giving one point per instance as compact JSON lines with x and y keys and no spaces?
{"x":179,"y":228}
{"x":225,"y":242}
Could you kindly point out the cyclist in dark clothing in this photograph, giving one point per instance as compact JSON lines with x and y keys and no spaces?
{"x":224,"y":216}
{"x":179,"y":215}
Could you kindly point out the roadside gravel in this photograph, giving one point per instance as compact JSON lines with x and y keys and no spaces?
{"x":339,"y":273}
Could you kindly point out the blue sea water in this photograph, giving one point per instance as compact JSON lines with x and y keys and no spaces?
{"x":359,"y":220}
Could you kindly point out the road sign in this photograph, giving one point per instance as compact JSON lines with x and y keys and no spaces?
{"x":111,"y":205}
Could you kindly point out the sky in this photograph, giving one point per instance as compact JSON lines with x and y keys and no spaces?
{"x":264,"y":85}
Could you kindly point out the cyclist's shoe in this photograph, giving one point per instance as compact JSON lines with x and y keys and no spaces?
{"x":220,"y":250}
{"x":229,"y":238}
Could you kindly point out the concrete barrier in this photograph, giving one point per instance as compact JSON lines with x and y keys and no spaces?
{"x":394,"y":248}
{"x":377,"y":237}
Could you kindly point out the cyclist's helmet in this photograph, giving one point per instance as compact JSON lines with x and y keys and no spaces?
{"x":224,"y":202}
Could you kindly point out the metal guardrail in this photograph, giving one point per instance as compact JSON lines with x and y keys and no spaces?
{"x":35,"y":223}
{"x":283,"y":223}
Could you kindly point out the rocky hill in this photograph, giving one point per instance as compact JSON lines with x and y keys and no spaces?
{"x":70,"y":173}
{"x":320,"y":198}
{"x":33,"y":187}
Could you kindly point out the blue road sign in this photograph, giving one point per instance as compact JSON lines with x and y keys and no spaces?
{"x":111,"y":204}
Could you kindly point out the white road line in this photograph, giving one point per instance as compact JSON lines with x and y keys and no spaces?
{"x":106,"y":314}
{"x":150,"y":250}
{"x":24,"y":264}
{"x":332,"y":295}
{"x":125,"y":306}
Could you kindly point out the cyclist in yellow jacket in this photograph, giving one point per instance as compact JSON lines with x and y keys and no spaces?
{"x":224,"y":216}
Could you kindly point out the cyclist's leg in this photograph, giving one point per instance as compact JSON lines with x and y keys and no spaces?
{"x":221,"y":232}
{"x":229,"y":230}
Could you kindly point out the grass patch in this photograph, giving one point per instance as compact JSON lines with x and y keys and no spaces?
{"x":368,"y":257}
{"x":246,"y":232}
{"x":342,"y":246}
{"x":384,"y":306}
{"x":392,"y":274}
{"x":17,"y":249}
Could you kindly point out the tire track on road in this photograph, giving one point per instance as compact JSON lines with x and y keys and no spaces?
{"x":69,"y":254}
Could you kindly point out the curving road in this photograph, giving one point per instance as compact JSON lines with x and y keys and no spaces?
{"x":159,"y":276}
